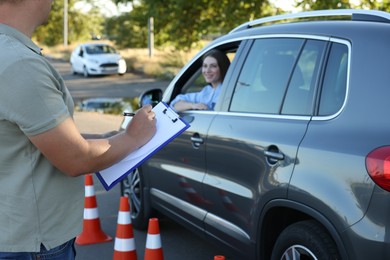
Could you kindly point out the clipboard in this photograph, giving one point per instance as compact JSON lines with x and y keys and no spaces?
{"x":169,"y":125}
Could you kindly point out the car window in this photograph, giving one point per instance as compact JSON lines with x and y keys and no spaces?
{"x":99,"y":49}
{"x":80,"y":51}
{"x":335,"y":80}
{"x":198,"y":82}
{"x":263,"y":80}
{"x":299,"y":98}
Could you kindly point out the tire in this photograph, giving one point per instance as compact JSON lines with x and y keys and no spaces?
{"x":85,"y":72}
{"x":72,"y":70}
{"x":304,"y":240}
{"x":132,"y":187}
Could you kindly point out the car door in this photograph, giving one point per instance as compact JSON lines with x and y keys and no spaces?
{"x":252,"y":144}
{"x":179,"y":168}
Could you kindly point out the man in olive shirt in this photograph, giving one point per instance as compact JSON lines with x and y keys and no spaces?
{"x":42,"y":153}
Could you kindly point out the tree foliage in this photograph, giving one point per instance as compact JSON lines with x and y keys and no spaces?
{"x":383,"y":5}
{"x":307,"y":5}
{"x":178,"y":23}
{"x":80,"y":25}
{"x":183,"y":23}
{"x":129,"y":29}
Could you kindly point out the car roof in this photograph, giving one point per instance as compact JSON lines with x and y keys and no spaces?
{"x":354,"y":14}
{"x":330,"y":23}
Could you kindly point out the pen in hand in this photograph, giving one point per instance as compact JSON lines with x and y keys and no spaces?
{"x":128,"y":114}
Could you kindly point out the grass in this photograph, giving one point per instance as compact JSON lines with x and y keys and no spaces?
{"x":163,"y":64}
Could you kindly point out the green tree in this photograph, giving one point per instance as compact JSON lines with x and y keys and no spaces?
{"x":129,"y":29}
{"x":80,"y":25}
{"x":383,"y":5}
{"x":307,"y":5}
{"x":183,"y":23}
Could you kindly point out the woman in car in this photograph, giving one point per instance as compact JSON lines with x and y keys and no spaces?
{"x":214,"y":68}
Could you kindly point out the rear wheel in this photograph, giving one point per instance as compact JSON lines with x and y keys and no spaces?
{"x":132,"y":186}
{"x":304,"y":240}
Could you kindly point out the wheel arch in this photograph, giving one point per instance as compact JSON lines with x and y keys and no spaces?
{"x":278,"y":214}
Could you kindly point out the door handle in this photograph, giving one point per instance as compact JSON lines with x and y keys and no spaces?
{"x":273,"y":155}
{"x":196,"y":141}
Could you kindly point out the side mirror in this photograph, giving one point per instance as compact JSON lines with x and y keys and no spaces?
{"x":152,"y":97}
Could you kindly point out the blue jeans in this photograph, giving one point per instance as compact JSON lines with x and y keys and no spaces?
{"x":63,"y":252}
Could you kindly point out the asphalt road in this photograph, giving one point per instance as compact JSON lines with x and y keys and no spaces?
{"x":128,"y":85}
{"x":177,"y":242}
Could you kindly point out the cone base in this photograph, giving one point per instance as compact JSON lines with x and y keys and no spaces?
{"x":125,"y":255}
{"x":88,"y":238}
{"x":154,"y":254}
{"x":92,"y":233}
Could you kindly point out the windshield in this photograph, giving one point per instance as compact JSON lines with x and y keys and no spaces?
{"x":99,"y":49}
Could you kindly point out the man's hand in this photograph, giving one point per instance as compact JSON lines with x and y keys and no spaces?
{"x":143,"y":125}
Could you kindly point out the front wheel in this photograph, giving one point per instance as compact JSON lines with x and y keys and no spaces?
{"x":304,"y":240}
{"x":85,"y":72}
{"x":73,"y":70}
{"x":132,"y":187}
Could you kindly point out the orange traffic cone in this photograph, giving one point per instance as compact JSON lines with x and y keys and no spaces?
{"x":153,"y":249}
{"x":92,"y":232}
{"x":219,"y":257}
{"x":124,"y":247}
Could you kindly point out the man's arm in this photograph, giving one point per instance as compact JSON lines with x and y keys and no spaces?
{"x":67,"y":149}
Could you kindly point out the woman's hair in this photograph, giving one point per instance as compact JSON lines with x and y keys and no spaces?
{"x":222,"y":60}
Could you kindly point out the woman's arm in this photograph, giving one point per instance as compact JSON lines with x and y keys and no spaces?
{"x":183,"y":105}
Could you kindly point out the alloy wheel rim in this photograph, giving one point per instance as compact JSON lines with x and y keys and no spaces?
{"x":135,"y":192}
{"x":298,"y":252}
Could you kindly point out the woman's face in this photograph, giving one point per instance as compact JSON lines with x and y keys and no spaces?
{"x":211,"y":71}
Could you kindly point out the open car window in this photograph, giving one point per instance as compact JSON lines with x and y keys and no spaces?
{"x":192,"y":79}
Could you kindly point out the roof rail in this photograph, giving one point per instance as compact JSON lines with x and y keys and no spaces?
{"x":356,"y":14}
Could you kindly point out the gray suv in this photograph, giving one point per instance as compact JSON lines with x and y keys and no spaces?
{"x":294,"y":161}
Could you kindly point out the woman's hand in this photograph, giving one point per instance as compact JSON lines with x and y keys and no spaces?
{"x":199,"y":106}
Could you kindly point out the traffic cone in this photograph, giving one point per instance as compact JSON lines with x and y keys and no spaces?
{"x":219,"y":257}
{"x":124,"y":247}
{"x":153,"y":249}
{"x":92,"y":232}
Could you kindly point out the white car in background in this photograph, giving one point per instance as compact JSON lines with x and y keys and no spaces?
{"x":97,"y":59}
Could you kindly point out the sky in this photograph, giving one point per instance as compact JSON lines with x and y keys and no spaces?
{"x":286,"y":5}
{"x":108,"y":8}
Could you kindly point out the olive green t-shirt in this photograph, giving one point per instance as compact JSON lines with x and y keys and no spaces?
{"x":38,"y":203}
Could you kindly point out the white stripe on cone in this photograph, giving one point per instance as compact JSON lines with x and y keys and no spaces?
{"x":89,"y":191}
{"x":91,"y":213}
{"x":124,"y":244}
{"x":153,"y":241}
{"x":124,"y":218}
